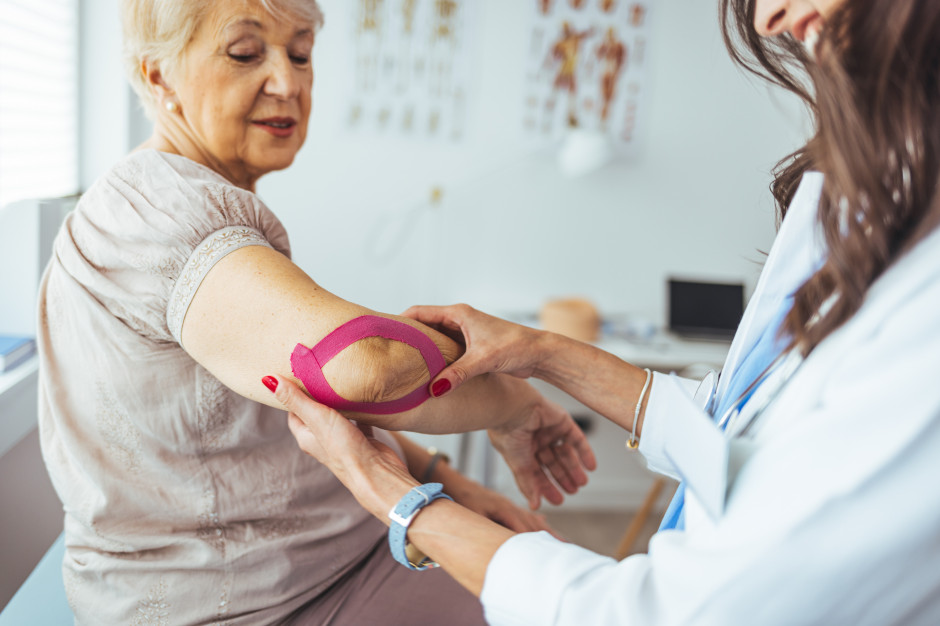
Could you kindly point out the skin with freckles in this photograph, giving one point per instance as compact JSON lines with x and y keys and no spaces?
{"x":242,"y":93}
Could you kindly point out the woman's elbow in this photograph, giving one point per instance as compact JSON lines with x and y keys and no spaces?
{"x":376,"y":370}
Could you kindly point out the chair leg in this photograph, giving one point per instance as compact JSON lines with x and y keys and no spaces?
{"x":639,"y":520}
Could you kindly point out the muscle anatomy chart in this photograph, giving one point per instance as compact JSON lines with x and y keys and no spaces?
{"x":585,"y":68}
{"x":411,"y":64}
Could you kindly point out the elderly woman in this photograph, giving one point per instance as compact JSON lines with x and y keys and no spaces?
{"x":171,"y":293}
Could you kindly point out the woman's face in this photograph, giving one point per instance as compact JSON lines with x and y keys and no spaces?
{"x":803,"y":19}
{"x":243,"y":88}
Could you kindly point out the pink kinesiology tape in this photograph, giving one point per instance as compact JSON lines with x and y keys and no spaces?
{"x":307,"y":363}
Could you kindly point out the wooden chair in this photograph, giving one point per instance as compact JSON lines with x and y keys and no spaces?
{"x":630,"y":535}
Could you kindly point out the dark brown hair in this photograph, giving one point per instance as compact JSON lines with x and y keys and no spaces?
{"x":874,"y":95}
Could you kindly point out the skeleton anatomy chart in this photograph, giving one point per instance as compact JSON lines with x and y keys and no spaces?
{"x":585,"y":67}
{"x":411,"y":67}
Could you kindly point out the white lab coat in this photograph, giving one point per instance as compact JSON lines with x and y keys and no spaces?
{"x":833,"y":519}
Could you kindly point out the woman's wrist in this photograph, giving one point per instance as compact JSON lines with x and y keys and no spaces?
{"x":551,"y":351}
{"x":522,"y":400}
{"x":596,"y":378}
{"x":432,"y":468}
{"x":544,"y":346}
{"x":455,"y":484}
{"x":379,"y":489}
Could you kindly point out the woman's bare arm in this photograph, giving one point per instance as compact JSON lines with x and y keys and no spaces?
{"x":255,"y":306}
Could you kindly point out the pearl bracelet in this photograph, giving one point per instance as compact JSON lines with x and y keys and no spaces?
{"x":633,"y":442}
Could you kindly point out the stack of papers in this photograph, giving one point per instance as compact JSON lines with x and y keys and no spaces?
{"x":14,"y":351}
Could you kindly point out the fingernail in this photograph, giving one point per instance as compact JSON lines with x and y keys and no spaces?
{"x":270,"y":382}
{"x":439,"y":388}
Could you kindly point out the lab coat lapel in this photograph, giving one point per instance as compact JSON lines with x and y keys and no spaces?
{"x":789,"y":431}
{"x":798,"y":251}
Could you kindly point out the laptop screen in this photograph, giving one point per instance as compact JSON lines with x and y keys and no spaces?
{"x":705,"y":310}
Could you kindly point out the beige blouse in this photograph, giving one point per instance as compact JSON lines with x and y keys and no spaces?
{"x":185,"y":503}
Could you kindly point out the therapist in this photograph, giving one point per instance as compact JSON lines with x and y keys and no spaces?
{"x":827,"y":414}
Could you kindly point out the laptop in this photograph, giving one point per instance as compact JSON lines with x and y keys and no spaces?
{"x":705,"y":310}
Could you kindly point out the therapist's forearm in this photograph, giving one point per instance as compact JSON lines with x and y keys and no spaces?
{"x":594,"y":377}
{"x":461,"y":541}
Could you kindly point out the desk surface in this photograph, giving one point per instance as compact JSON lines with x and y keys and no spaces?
{"x":21,"y":372}
{"x":664,"y":352}
{"x":667,"y":353}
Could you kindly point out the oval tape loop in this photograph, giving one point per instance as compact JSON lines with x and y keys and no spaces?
{"x":307,"y":363}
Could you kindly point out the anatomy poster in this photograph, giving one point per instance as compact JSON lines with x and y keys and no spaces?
{"x":585,"y":68}
{"x":411,"y":67}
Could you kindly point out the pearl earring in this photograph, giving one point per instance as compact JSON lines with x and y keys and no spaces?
{"x":171,"y":106}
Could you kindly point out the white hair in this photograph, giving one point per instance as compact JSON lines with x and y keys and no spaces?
{"x":160,"y":30}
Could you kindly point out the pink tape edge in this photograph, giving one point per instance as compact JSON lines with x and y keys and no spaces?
{"x":307,"y":363}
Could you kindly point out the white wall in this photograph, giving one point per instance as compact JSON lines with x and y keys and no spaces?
{"x":104,"y":109}
{"x":27,"y":230}
{"x":19,"y":267}
{"x":511,"y":231}
{"x":515,"y":232}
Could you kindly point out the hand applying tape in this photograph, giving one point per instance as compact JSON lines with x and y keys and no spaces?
{"x":307,"y":363}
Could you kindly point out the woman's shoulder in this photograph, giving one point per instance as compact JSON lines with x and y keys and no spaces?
{"x":163,"y":192}
{"x":152,"y":170}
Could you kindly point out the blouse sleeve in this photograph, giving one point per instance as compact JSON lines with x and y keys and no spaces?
{"x":145,"y":235}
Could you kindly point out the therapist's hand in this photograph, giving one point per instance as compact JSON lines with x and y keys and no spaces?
{"x":493,"y":344}
{"x":548,"y":442}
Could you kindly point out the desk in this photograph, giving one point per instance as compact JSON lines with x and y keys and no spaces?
{"x":668,"y":353}
{"x":662,"y":352}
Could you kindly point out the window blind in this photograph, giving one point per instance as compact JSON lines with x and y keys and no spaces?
{"x":39,"y":72}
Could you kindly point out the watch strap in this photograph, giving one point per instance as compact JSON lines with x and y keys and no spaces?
{"x":402,"y":516}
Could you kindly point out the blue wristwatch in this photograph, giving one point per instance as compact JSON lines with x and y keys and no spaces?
{"x":402,"y":516}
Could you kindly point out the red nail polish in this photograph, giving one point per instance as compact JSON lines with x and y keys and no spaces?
{"x":440,"y":387}
{"x":270,"y":382}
